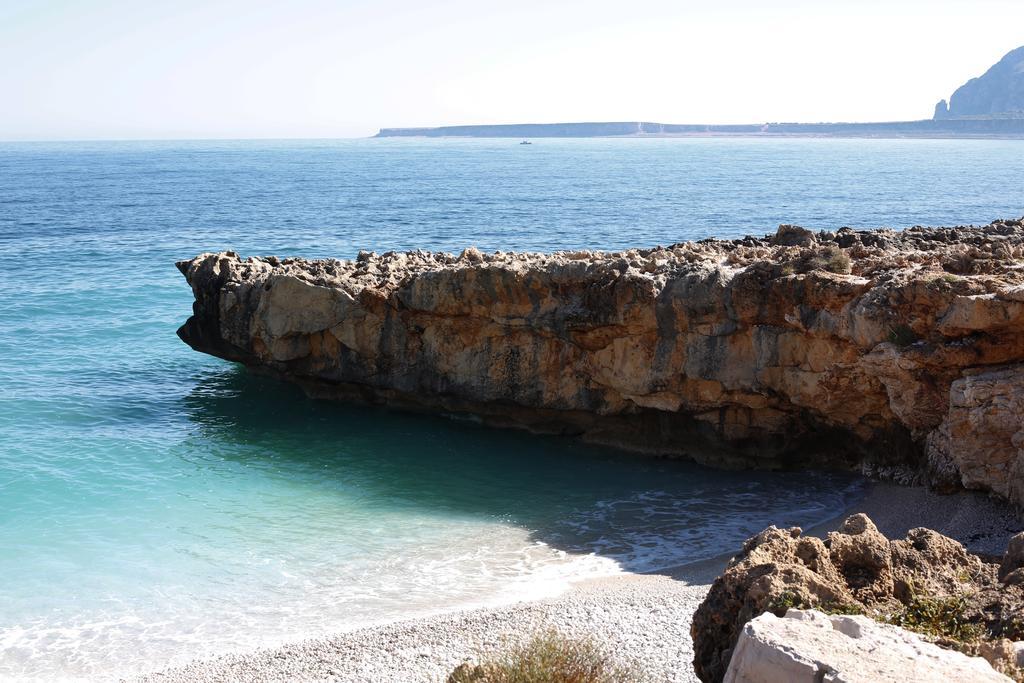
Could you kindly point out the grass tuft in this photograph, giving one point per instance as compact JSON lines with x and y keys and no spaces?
{"x":833,"y":259}
{"x":549,"y":658}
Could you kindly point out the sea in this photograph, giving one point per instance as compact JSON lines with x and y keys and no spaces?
{"x":158,"y":505}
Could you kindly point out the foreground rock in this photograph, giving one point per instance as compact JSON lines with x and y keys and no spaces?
{"x":899,"y":351}
{"x":926,"y":582}
{"x":811,"y":647}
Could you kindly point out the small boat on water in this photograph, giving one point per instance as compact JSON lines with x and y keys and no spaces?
{"x":525,"y":142}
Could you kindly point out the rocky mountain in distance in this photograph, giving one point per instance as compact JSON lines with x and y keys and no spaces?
{"x":967,"y":127}
{"x":990,"y":106}
{"x":998,"y":93}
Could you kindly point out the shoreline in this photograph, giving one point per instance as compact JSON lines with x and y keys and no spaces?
{"x":771,"y":135}
{"x":642,"y":618}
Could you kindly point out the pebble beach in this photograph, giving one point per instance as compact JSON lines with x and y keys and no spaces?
{"x":642,"y":619}
{"x":645,"y":619}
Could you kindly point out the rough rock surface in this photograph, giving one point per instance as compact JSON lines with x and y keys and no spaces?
{"x":1000,"y":90}
{"x":901,"y":351}
{"x":811,"y":647}
{"x":925,"y":577}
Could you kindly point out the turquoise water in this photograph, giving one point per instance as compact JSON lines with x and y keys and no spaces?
{"x":157,"y":504}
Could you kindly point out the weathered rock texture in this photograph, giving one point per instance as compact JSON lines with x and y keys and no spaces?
{"x":900,"y":351}
{"x":925,"y":581}
{"x":807,"y":646}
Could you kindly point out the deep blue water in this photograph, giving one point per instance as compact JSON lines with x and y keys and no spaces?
{"x":157,"y":504}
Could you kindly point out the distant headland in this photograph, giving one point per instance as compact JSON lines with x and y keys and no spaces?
{"x":927,"y":128}
{"x":990,"y":106}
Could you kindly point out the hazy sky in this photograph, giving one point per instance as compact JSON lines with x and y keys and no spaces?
{"x":317,"y":68}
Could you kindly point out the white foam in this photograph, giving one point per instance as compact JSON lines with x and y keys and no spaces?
{"x":434,"y":565}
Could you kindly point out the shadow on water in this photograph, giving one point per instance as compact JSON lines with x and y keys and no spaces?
{"x":646,"y":513}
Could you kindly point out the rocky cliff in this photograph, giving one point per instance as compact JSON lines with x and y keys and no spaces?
{"x":999,"y":91}
{"x":901,"y":352}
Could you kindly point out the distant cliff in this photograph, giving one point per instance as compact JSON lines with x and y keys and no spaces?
{"x":528,"y":130}
{"x":991,"y":105}
{"x":929,"y":128}
{"x":999,"y":92}
{"x":890,"y":349}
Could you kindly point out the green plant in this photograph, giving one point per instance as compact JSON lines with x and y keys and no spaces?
{"x":781,"y":604}
{"x":789,"y":600}
{"x":1012,"y":627}
{"x":939,"y":617}
{"x":549,"y":657}
{"x":944,"y":282}
{"x":839,"y":263}
{"x":832,"y":259}
{"x":902,"y":335}
{"x":841,"y":608}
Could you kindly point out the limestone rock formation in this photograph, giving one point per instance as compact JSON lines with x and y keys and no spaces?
{"x":982,"y":434}
{"x":898,"y":351}
{"x":806,"y":646}
{"x":999,"y":91}
{"x":926,"y":581}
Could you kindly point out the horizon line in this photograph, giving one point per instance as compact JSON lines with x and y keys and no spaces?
{"x":433,"y":127}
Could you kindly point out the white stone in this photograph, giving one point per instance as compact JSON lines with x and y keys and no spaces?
{"x":808,"y":646}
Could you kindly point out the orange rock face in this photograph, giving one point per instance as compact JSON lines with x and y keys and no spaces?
{"x":901,"y":351}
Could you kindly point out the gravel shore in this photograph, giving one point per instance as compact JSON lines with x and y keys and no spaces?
{"x":643,"y":619}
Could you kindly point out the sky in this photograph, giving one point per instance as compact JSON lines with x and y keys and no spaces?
{"x":114,"y":69}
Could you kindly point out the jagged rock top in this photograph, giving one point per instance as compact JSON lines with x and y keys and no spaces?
{"x":993,"y":255}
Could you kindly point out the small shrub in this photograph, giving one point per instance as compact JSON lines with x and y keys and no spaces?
{"x":840,"y":608}
{"x":943,"y":617}
{"x":789,"y":600}
{"x":832,"y":259}
{"x":902,"y":335}
{"x":840,"y":263}
{"x":1012,"y":627}
{"x":549,"y":658}
{"x":944,"y":282}
{"x":785,"y":602}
